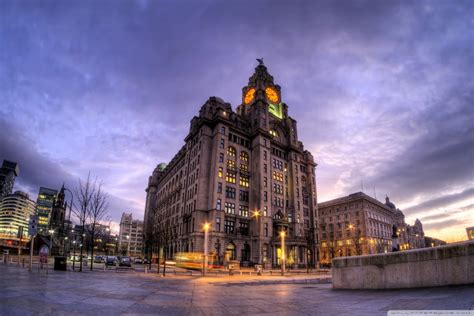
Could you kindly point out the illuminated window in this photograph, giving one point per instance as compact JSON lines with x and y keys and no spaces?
{"x":273,"y":133}
{"x":244,"y":156}
{"x":277,"y":176}
{"x":231,"y":164}
{"x":230,"y":176}
{"x":229,"y":208}
{"x":218,"y":204}
{"x":243,"y":211}
{"x":244,"y":167}
{"x":244,"y":181}
{"x":220,"y":173}
{"x":231,"y":151}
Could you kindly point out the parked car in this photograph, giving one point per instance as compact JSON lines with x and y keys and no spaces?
{"x":146,"y":261}
{"x":111,"y":261}
{"x":125,"y":261}
{"x":138,"y":260}
{"x":99,"y":259}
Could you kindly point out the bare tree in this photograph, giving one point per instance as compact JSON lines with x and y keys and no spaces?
{"x":84,"y":194}
{"x":91,"y":209}
{"x":96,"y":213}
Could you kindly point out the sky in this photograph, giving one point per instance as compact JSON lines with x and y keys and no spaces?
{"x":382,"y":92}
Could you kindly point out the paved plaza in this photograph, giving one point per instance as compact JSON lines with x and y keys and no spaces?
{"x":122,"y":293}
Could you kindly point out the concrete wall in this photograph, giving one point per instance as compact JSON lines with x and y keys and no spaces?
{"x":438,"y":266}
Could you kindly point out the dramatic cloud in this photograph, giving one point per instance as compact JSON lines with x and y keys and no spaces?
{"x":382,"y":91}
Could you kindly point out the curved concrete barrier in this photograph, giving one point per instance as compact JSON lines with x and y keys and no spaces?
{"x":426,"y":267}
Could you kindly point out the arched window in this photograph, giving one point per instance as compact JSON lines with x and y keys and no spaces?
{"x":231,"y":151}
{"x":273,"y":133}
{"x":244,"y":156}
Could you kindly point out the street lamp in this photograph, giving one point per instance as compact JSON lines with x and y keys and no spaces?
{"x":51,"y":232}
{"x":74,"y":256}
{"x":206,"y":242}
{"x":282,"y":234}
{"x":128,"y":245}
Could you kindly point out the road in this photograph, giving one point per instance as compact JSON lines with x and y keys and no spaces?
{"x":99,"y":293}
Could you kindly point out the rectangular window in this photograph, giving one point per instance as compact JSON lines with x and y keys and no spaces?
{"x":229,"y":226}
{"x":230,"y":192}
{"x":244,"y":181}
{"x":265,"y":152}
{"x":265,"y":196}
{"x":219,"y":187}
{"x":222,"y":130}
{"x":218,"y":204}
{"x":222,"y":143}
{"x":265,"y":182}
{"x":265,"y":211}
{"x":277,"y":176}
{"x":244,"y":196}
{"x":243,"y":211}
{"x":220,"y":172}
{"x":221,"y":157}
{"x":230,"y":176}
{"x":218,"y":224}
{"x":265,"y":229}
{"x":230,"y":208}
{"x":244,"y":228}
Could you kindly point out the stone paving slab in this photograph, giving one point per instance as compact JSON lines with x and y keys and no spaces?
{"x":102,"y":293}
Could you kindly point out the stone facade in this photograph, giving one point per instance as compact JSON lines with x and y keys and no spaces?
{"x":131,"y":236}
{"x":247,"y":175}
{"x":359,"y":225}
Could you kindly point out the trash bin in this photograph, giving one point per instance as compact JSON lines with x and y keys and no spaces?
{"x":258,"y":269}
{"x":60,"y":263}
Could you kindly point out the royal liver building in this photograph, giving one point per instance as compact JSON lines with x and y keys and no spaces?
{"x":247,"y":175}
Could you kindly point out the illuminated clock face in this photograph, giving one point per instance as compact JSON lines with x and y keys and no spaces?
{"x":272,"y":95}
{"x":249,"y":96}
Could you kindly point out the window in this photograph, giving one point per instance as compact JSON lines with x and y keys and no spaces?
{"x":220,"y":173}
{"x":218,"y":224}
{"x":219,"y":187}
{"x":231,"y":151}
{"x":305,"y":211}
{"x":244,"y":156}
{"x":223,"y":130}
{"x":231,"y":164}
{"x":243,"y":211}
{"x":221,"y":157}
{"x":265,"y":196}
{"x":265,"y":182}
{"x":244,"y":195}
{"x":265,"y":229}
{"x":222,"y":143}
{"x":244,"y":167}
{"x":230,"y":192}
{"x":244,"y":181}
{"x":265,"y":152}
{"x":229,"y":226}
{"x":277,"y":176}
{"x":273,"y":133}
{"x":244,"y":228}
{"x":230,"y":208}
{"x":218,"y":204}
{"x":265,"y":211}
{"x":230,"y":176}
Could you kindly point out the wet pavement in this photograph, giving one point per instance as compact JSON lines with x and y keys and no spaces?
{"x":128,"y":293}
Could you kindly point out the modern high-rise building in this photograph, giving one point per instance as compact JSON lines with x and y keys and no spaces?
{"x":131,"y":236}
{"x":8,"y":172}
{"x":15,"y":212}
{"x":247,"y":175}
{"x":44,"y":207}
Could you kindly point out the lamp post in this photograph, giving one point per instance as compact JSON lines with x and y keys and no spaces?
{"x":257,"y":214}
{"x":282,"y":234}
{"x":74,"y":255}
{"x":206,"y":246}
{"x":128,"y":245}
{"x":64,"y":248}
{"x":51,"y":232}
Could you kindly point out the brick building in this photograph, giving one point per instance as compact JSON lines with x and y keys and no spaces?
{"x":247,"y":175}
